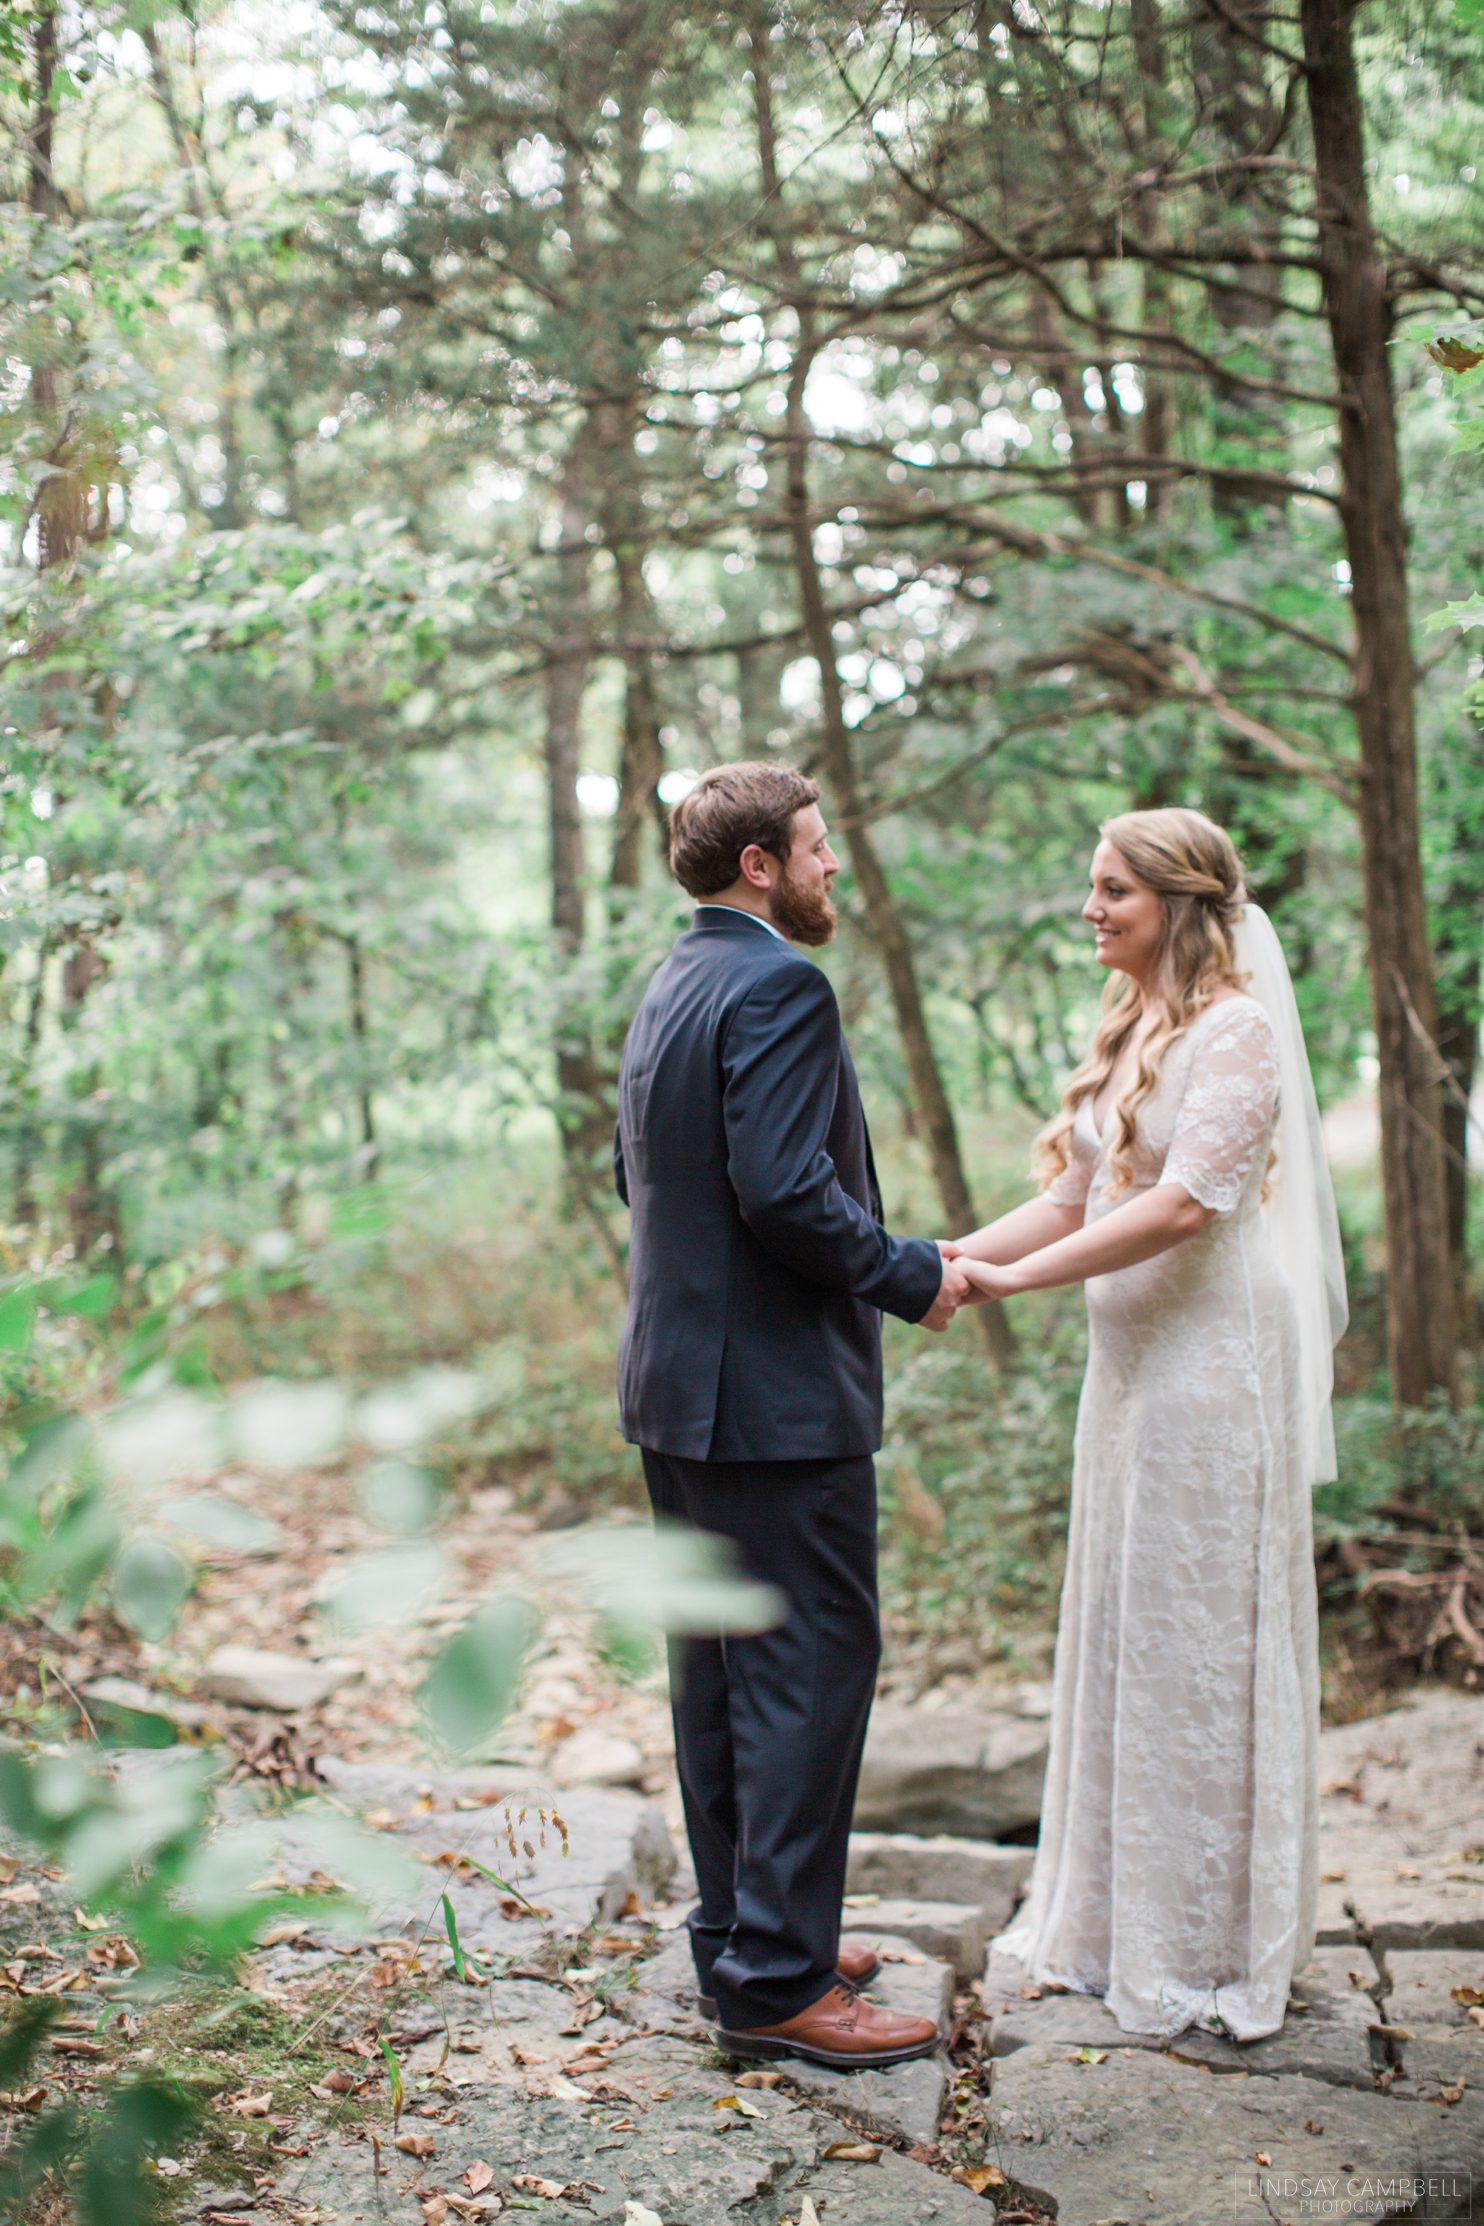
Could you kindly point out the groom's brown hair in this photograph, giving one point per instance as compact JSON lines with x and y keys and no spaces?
{"x":730,"y":807}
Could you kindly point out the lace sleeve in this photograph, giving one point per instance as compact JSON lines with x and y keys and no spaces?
{"x":1071,"y":1186}
{"x":1226,"y":1114}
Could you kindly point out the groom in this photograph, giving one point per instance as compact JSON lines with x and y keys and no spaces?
{"x":750,"y":1377}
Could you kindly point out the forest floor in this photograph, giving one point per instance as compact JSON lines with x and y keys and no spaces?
{"x":350,"y":2081}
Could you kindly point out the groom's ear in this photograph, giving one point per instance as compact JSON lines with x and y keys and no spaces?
{"x":754,"y":865}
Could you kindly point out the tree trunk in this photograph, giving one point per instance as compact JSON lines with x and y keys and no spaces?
{"x":887,"y":925}
{"x":27,"y":1094}
{"x":838,"y":754}
{"x":1158,"y":423}
{"x":641,"y":758}
{"x":581,"y":1113}
{"x":370,"y":1154}
{"x":1422,"y":1347}
{"x":1461,"y":1005}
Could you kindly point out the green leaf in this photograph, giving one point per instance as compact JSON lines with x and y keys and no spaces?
{"x":383,"y":1587}
{"x":114,"y":2188}
{"x":17,"y":1318}
{"x":473,"y":1681}
{"x":22,"y":2037}
{"x":394,"y":2077}
{"x":93,"y":1298}
{"x":670,"y":1579}
{"x":450,"y":1926}
{"x":1469,"y":612}
{"x":150,"y":1583}
{"x":221,"y":1522}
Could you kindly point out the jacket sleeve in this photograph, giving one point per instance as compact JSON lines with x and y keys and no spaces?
{"x":780,"y":1062}
{"x":620,"y":1172}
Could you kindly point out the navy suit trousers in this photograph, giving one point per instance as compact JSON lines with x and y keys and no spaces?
{"x":769,"y":1727}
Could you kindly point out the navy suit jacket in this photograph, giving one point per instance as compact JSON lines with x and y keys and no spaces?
{"x":758,"y":1264}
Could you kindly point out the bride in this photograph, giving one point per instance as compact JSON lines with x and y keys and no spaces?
{"x":1184,"y":1184}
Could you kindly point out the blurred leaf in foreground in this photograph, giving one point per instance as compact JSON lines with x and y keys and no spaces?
{"x":670,"y":1579}
{"x":473,"y":1681}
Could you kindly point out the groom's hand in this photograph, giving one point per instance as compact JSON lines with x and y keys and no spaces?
{"x":952,"y":1292}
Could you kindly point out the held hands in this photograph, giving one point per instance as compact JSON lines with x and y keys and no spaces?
{"x":966,"y":1282}
{"x":953,"y":1291}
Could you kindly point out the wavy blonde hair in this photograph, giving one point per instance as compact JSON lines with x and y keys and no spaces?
{"x":1193,"y":867}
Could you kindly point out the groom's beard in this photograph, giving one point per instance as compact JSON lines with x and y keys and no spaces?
{"x":804,"y":915}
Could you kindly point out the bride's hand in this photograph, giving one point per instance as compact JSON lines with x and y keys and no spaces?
{"x":949,"y":1247}
{"x":987,"y":1282}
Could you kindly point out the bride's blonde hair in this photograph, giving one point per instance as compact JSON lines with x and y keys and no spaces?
{"x":1193,"y":867}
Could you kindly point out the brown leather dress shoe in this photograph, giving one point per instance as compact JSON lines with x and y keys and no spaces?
{"x":857,"y":1961}
{"x":842,"y":2029}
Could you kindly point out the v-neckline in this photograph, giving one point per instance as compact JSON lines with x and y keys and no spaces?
{"x":1100,"y":1127}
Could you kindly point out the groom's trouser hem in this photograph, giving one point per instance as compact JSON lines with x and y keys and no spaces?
{"x":769,"y":1726}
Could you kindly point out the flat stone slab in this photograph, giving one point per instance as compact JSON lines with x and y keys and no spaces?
{"x":904,"y":2102}
{"x":904,"y":1866}
{"x":1402,"y":1825}
{"x":943,"y":1929}
{"x":1422,"y":1983}
{"x":907,"y":2100}
{"x":616,"y":1847}
{"x":1327,"y":2039}
{"x":1142,"y":2139}
{"x":978,"y":1774}
{"x":255,"y":1677}
{"x":661,"y":2127}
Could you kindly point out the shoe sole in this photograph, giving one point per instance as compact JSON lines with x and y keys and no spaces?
{"x":835,"y":2059}
{"x":706,"y":2008}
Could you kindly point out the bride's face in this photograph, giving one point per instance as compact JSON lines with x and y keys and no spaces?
{"x":1126,"y":915}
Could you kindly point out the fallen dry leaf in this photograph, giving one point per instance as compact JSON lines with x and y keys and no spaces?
{"x":735,"y":2102}
{"x":1089,"y":2056}
{"x":978,"y":2176}
{"x":1313,"y":2125}
{"x":1452,"y":2093}
{"x":853,"y":2152}
{"x":478,"y":2177}
{"x":251,"y":2106}
{"x":337,"y":2082}
{"x":531,"y":2183}
{"x":749,"y":2079}
{"x":1470,"y":1996}
{"x":416,"y":2144}
{"x":435,"y":2210}
{"x":1261,"y":2156}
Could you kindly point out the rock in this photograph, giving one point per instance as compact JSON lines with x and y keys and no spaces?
{"x":617,"y":1848}
{"x":976,"y":1872}
{"x":1328,"y":2039}
{"x":1444,"y":2047}
{"x":254,"y":1678}
{"x":905,"y":2101}
{"x":955,"y":1935}
{"x":1145,"y":2139}
{"x":1400,"y":1802}
{"x":680,"y":2148}
{"x":1422,"y":1983}
{"x":976,"y":1773}
{"x":115,"y":1696}
{"x":595,"y":1757}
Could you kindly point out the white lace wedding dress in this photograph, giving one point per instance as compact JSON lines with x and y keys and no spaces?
{"x":1177,"y":1870}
